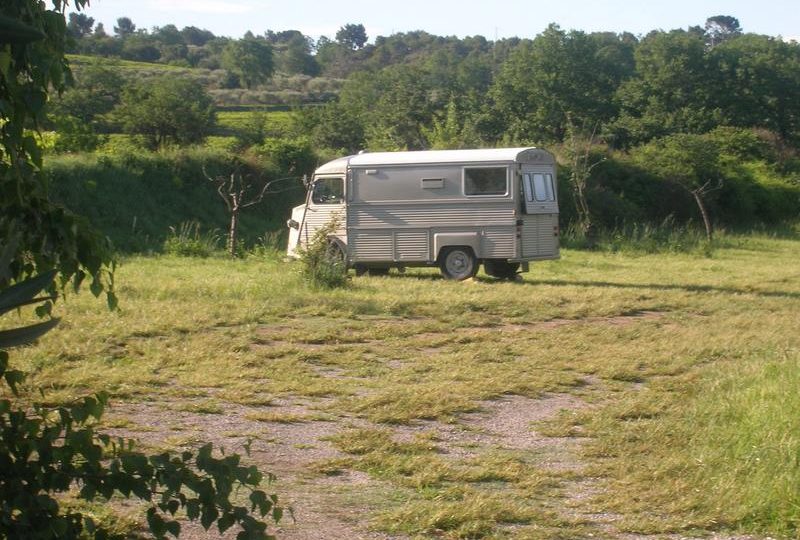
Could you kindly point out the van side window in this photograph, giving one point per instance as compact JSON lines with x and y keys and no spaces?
{"x":485,"y":180}
{"x":328,"y":191}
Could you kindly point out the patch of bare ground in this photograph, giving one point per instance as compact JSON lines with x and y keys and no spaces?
{"x":509,"y":421}
{"x":284,"y":445}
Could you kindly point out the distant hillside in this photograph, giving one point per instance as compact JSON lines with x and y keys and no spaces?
{"x":281,"y":92}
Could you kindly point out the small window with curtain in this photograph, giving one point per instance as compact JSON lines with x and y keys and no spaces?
{"x":484,"y":181}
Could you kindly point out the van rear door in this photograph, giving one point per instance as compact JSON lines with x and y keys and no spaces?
{"x":540,"y":220}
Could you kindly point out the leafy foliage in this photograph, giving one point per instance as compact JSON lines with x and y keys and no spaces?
{"x":250,"y":60}
{"x":322,"y":261}
{"x":353,"y":36}
{"x":166,"y":111}
{"x":44,"y":234}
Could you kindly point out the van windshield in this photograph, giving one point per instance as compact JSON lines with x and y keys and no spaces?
{"x":328,"y":191}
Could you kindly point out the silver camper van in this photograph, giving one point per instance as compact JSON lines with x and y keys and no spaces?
{"x":453,"y":208}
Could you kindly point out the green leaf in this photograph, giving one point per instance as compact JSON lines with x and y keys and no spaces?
{"x":22,"y":336}
{"x":156,"y":523}
{"x":209,"y":516}
{"x":192,"y":509}
{"x":96,"y":287}
{"x":23,"y":293}
{"x":225,"y":522}
{"x":174,"y":528}
{"x":13,"y":378}
{"x":112,"y":300}
{"x":18,"y":33}
{"x":259,"y":500}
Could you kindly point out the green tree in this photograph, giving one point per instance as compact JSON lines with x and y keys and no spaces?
{"x":196,"y":36}
{"x":757,"y":83}
{"x":170,"y":43}
{"x":689,"y":161}
{"x":558,"y":74}
{"x":670,"y":92}
{"x":332,"y":126}
{"x":352,"y":36}
{"x":124,"y":27}
{"x":97,"y":90}
{"x":296,"y":56}
{"x":32,"y":44}
{"x":721,"y":28}
{"x":393,"y":106}
{"x":447,"y":132}
{"x":251,"y":60}
{"x":166,"y":111}
{"x":79,"y":25}
{"x":140,"y":47}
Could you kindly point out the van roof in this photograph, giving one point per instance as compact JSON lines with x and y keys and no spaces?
{"x":489,"y":155}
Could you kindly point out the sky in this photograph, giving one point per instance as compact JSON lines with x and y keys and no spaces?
{"x":489,"y":18}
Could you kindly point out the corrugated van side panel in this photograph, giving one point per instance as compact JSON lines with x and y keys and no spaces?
{"x":370,"y":245}
{"x":498,"y":243}
{"x":412,"y":245}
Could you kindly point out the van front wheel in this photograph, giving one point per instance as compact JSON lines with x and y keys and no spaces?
{"x":458,"y":263}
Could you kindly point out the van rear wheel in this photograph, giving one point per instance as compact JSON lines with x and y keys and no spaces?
{"x":458,"y":263}
{"x":500,"y":268}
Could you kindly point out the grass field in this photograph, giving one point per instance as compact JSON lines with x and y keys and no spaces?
{"x":275,"y":123}
{"x":606,"y":395}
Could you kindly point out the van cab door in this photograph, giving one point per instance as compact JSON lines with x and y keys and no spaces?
{"x":325,"y":203}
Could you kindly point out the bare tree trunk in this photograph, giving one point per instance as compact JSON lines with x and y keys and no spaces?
{"x":698,"y":197}
{"x":233,"y":231}
{"x":579,"y":150}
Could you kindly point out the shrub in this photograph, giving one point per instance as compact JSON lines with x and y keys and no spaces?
{"x":75,"y":135}
{"x":188,"y":241}
{"x":322,"y":261}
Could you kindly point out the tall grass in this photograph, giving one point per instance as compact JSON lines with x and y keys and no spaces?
{"x":720,"y":448}
{"x":666,"y":237}
{"x":187,"y":240}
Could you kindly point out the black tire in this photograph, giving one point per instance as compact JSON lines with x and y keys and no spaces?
{"x":501,"y":269}
{"x":334,"y":252}
{"x":458,"y":263}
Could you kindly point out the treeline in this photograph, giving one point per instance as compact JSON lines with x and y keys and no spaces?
{"x":684,"y":124}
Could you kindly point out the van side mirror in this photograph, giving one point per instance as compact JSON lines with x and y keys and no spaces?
{"x":292,"y":224}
